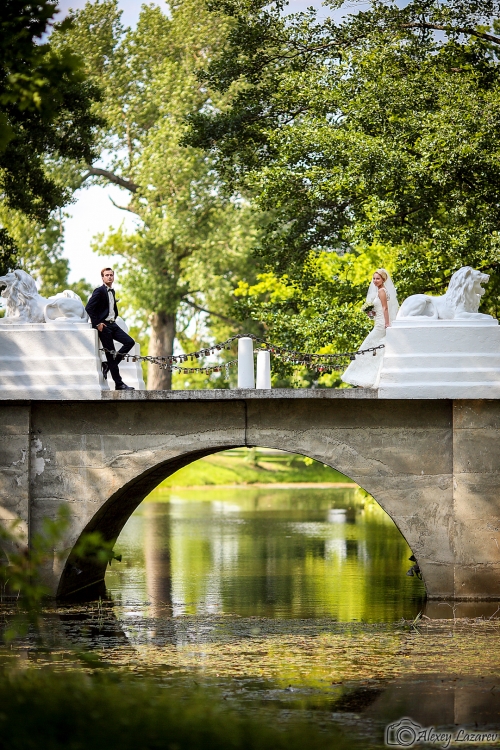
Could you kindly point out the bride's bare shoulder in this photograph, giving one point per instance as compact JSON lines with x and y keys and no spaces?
{"x":382,"y":293}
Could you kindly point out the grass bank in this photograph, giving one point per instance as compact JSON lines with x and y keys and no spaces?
{"x":254,"y":466}
{"x":56,"y":711}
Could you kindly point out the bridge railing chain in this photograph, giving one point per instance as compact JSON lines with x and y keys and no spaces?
{"x":319,"y":362}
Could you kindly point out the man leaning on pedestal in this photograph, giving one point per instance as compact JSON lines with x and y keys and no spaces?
{"x":102,"y":311}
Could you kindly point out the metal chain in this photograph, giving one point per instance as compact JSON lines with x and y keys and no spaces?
{"x":326,"y":362}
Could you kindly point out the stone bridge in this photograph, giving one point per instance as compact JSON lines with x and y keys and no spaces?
{"x":433,"y":466}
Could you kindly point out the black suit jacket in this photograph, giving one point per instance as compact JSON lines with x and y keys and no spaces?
{"x":98,"y":305}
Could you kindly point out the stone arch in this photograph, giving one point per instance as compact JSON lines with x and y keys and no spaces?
{"x":85,"y":579}
{"x":101,"y":459}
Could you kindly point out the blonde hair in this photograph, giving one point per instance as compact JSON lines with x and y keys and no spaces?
{"x":382,"y":272}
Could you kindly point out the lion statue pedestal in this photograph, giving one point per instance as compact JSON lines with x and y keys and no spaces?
{"x":442,"y":347}
{"x":441,"y":359}
{"x":50,"y":361}
{"x":48,"y":349}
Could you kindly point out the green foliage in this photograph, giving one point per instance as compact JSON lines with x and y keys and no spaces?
{"x":46,"y":121}
{"x":37,"y":247}
{"x":22,"y":567}
{"x":21,"y":570}
{"x":381,"y":128}
{"x":8,"y":252}
{"x":45,"y":110}
{"x":70,"y":711}
{"x":93,"y":548}
{"x":191,"y":242}
{"x":316,"y":310}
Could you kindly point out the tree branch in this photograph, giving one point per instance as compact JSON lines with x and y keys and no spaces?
{"x":403,"y":214}
{"x":210,"y":312}
{"x":123,"y":208}
{"x":114,"y":178}
{"x":470,"y":32}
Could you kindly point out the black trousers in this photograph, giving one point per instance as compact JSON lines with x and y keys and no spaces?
{"x":109,"y":334}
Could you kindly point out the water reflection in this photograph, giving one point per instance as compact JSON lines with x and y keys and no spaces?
{"x":157,"y":558}
{"x":440,"y":701}
{"x":275,"y":553}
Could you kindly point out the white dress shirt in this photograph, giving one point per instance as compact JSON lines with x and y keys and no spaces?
{"x":111,"y":316}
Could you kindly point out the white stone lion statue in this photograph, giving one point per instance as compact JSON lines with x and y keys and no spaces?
{"x":461,"y":300}
{"x":25,"y":305}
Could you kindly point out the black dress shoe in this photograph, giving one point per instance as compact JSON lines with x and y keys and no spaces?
{"x":105,"y":370}
{"x":124,"y":387}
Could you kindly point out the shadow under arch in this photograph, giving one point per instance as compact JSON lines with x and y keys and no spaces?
{"x":83,"y":579}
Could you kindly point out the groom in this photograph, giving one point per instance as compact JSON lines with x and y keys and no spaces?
{"x":102,"y":311}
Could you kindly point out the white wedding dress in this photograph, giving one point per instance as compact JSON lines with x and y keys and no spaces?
{"x":364,"y":371}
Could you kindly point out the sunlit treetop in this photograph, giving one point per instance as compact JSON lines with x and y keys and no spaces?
{"x":382,"y":126}
{"x":372,"y":134}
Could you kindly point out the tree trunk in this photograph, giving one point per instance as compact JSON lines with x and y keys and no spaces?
{"x":161,"y":344}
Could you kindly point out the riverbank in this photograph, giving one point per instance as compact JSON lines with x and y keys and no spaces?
{"x":258,"y":468}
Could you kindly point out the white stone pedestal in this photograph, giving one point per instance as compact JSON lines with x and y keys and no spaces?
{"x":50,"y":361}
{"x":57,"y":361}
{"x":452,"y":359}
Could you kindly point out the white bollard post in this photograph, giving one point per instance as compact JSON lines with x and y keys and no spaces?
{"x":264,"y":370}
{"x":246,"y":374}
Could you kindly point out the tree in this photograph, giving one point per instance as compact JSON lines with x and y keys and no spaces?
{"x":41,"y":251}
{"x":380,"y":130}
{"x":186,"y":228}
{"x":46,"y":115}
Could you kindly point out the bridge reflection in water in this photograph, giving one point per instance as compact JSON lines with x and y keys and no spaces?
{"x":287,"y":553}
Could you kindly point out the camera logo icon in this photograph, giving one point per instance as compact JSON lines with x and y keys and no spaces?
{"x":403,"y":733}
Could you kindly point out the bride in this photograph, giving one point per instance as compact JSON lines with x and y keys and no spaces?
{"x":364,"y":371}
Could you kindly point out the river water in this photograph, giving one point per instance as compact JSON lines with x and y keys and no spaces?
{"x":275,"y":553}
{"x":296,"y":601}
